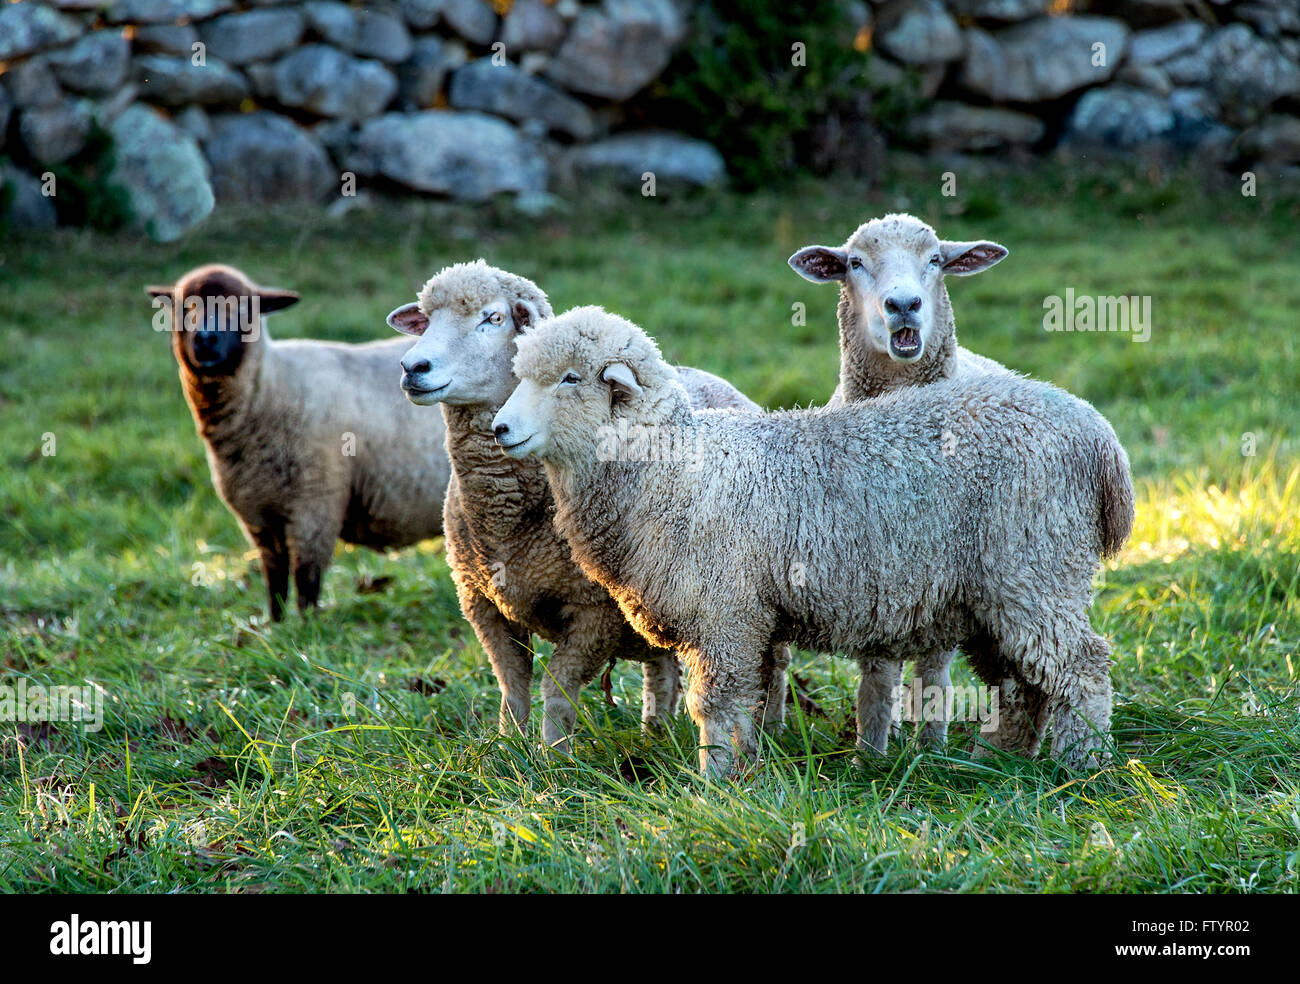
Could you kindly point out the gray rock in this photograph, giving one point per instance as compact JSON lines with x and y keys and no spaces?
{"x":165,"y":39}
{"x":336,"y":136}
{"x":1120,"y":116}
{"x":172,"y":81}
{"x":421,"y":14}
{"x":1248,"y":74}
{"x":1162,"y":43}
{"x":675,"y":160}
{"x":1190,"y":68}
{"x":473,"y":20}
{"x":507,"y":91}
{"x":1042,"y":59}
{"x":1276,"y":139}
{"x":28,"y":207}
{"x":110,"y":108}
{"x":1271,"y":19}
{"x":616,"y":50}
{"x":53,"y":135}
{"x":952,"y":126}
{"x":1145,"y":77}
{"x":32,"y":84}
{"x":164,"y":11}
{"x":919,"y":32}
{"x":263,"y":157}
{"x":533,"y":25}
{"x":162,"y":172}
{"x":421,"y":76}
{"x":253,"y":35}
{"x":195,"y":121}
{"x":324,"y":80}
{"x":368,"y":33}
{"x":96,"y":65}
{"x":467,"y":155}
{"x":29,"y":27}
{"x":1000,"y":10}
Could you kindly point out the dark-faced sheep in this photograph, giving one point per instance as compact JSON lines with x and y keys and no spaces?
{"x":308,"y":442}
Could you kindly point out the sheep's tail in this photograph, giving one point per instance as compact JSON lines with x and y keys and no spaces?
{"x":1114,"y":497}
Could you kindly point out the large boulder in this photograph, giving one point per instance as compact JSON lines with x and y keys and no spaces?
{"x":164,"y":11}
{"x":28,"y":27}
{"x":919,"y":32}
{"x":1248,"y":74}
{"x":421,"y":14}
{"x":55,"y":134}
{"x":615,"y":50}
{"x":1043,"y":59}
{"x":162,"y":172}
{"x":165,"y":39}
{"x":96,"y":65}
{"x":508,"y":91}
{"x":421,"y":76}
{"x":32,"y":84}
{"x":253,"y":35}
{"x":28,"y":207}
{"x":953,"y":126}
{"x":368,"y":33}
{"x":1000,"y":10}
{"x":1120,"y":116}
{"x":1159,"y":44}
{"x":533,"y":25}
{"x":473,"y":20}
{"x":467,"y":155}
{"x":673,"y":159}
{"x":328,"y":82}
{"x":173,"y":81}
{"x":264,"y":157}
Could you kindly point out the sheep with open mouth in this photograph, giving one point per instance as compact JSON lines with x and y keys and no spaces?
{"x":970,"y":512}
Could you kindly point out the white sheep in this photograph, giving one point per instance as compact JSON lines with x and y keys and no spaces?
{"x":307,"y":441}
{"x":896,"y":329}
{"x":968,"y":512}
{"x":513,"y":572}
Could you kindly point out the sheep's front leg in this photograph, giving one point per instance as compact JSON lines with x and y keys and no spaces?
{"x":505,"y":643}
{"x":274,"y":554}
{"x":311,"y":545}
{"x":725,"y":687}
{"x":934,"y":672}
{"x":877,"y":699}
{"x":590,"y":638}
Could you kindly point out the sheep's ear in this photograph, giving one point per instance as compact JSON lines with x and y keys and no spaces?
{"x":621,"y":379}
{"x":524,"y":313}
{"x":408,"y":319}
{"x":273,"y":299}
{"x":159,"y":290}
{"x":963,"y":259}
{"x":820,"y":264}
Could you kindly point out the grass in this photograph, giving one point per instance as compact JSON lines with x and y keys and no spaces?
{"x":356,"y":751}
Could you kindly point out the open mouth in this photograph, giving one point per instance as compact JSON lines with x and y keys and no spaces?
{"x":905,"y":343}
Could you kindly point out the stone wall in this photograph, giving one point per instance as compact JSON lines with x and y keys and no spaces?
{"x":212,"y":101}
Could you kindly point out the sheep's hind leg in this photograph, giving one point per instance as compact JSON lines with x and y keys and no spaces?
{"x":661,"y":675}
{"x":934,"y":672}
{"x":505,"y":643}
{"x":585,"y":650}
{"x":776,"y":685}
{"x":877,"y":701}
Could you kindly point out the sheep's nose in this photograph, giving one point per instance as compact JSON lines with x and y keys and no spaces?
{"x":900,"y":305}
{"x":501,"y":430}
{"x":416,"y":367}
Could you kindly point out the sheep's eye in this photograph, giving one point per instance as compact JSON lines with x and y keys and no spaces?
{"x":936,"y":259}
{"x":570,"y":379}
{"x":496,"y":317}
{"x":855,"y":263}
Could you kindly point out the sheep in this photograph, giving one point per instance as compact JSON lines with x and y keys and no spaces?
{"x":308,"y":442}
{"x":897,"y":329}
{"x":513,"y":572}
{"x":970,"y":512}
